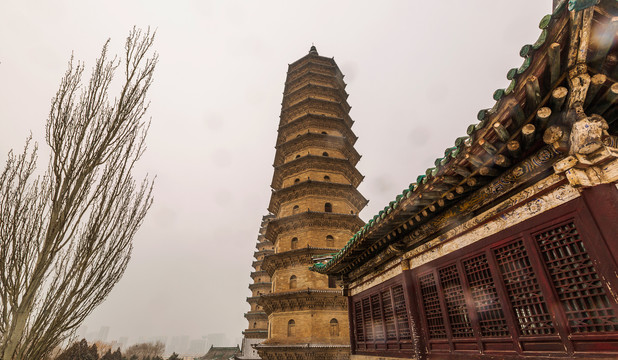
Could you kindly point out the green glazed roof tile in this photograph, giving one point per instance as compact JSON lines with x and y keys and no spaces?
{"x":525,"y":51}
{"x":577,"y":5}
{"x":511,"y":74}
{"x":448,"y":152}
{"x":541,"y":40}
{"x":498,"y":94}
{"x":460,"y":140}
{"x":525,"y":65}
{"x":510,"y":88}
{"x":545,"y":22}
{"x":482,"y":114}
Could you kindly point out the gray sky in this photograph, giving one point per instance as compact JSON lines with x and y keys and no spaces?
{"x":417,"y":74}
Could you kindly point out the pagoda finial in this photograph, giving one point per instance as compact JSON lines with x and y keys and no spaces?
{"x":313,"y":50}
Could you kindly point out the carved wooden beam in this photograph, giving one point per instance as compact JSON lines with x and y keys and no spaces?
{"x":462,"y":171}
{"x":452,"y":180}
{"x":527,"y":135}
{"x":579,"y":84}
{"x":474,"y":160}
{"x":554,"y":62}
{"x":514,"y":148}
{"x":518,"y":115}
{"x":607,"y":99}
{"x":501,"y":131}
{"x":502,"y":161}
{"x":487,"y":146}
{"x":558,"y":96}
{"x":533,"y":92}
{"x":596,"y":82}
{"x":542,"y":117}
{"x":488,"y":171}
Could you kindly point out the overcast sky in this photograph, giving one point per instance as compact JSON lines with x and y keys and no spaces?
{"x":417,"y":74}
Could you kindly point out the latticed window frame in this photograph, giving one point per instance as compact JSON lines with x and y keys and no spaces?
{"x":562,"y":339}
{"x":363,"y":334}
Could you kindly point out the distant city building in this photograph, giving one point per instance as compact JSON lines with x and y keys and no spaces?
{"x":217,"y":339}
{"x":103,"y":333}
{"x":197,"y":347}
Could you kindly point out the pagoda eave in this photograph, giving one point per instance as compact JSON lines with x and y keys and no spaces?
{"x":305,"y":299}
{"x":293,"y":257}
{"x":258,"y":273}
{"x":260,"y":285}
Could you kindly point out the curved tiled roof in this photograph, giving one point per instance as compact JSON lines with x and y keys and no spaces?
{"x":528,"y":52}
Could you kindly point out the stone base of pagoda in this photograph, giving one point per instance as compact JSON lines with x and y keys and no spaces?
{"x":304,"y":352}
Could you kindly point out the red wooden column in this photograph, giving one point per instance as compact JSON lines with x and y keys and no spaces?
{"x":602,"y":201}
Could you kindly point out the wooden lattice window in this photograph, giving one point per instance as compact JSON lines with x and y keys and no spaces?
{"x":455,"y":302}
{"x":576,"y":281}
{"x":379,"y":320}
{"x":431,"y":304}
{"x":523,"y":290}
{"x":541,"y":287}
{"x":378,"y":325}
{"x":401,"y":313}
{"x":483,"y":290}
{"x":358,"y":322}
{"x":389,"y":315}
{"x":367,"y":320}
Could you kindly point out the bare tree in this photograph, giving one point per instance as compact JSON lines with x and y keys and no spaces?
{"x":66,"y":236}
{"x":144,"y":350}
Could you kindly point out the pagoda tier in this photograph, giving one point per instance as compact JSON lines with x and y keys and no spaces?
{"x":264,"y":286}
{"x":257,"y":275}
{"x":303,"y":299}
{"x":316,"y":167}
{"x":295,"y":257}
{"x":309,"y":89}
{"x":314,"y":123}
{"x":309,"y":187}
{"x":317,"y":220}
{"x":315,"y":205}
{"x":311,"y":142}
{"x":317,"y":106}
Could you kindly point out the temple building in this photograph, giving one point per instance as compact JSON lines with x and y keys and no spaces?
{"x":315,"y":203}
{"x":507,"y":248}
{"x":257,"y":329}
